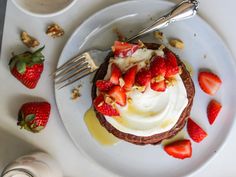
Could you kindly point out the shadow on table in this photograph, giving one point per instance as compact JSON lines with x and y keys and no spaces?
{"x":12,"y":147}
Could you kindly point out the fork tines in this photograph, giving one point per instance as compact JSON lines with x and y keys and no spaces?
{"x":74,"y":69}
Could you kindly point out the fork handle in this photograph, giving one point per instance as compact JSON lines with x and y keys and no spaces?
{"x":185,"y":9}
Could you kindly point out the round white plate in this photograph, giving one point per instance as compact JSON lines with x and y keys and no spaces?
{"x":204,"y":49}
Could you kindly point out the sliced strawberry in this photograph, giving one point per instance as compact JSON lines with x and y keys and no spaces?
{"x":209,"y":82}
{"x":129,"y":77}
{"x":158,"y":66}
{"x":143,"y":77}
{"x":213,"y":110}
{"x":118,"y":94}
{"x":104,"y":108}
{"x":115,"y":74}
{"x":158,"y":86}
{"x":124,"y":49}
{"x":171,"y":64}
{"x":104,"y":85}
{"x":180,"y":149}
{"x":195,"y":131}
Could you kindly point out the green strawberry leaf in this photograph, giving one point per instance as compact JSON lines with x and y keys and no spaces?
{"x":29,"y":117}
{"x":21,"y":67}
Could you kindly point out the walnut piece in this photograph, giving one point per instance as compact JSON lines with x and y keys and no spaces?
{"x":177,"y":43}
{"x":75,"y":93}
{"x":159,"y":35}
{"x":28,"y":40}
{"x":54,"y":31}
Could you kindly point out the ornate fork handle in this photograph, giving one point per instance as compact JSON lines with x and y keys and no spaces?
{"x":184,"y":10}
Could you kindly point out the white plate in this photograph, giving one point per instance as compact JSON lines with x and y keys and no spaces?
{"x":204,"y":49}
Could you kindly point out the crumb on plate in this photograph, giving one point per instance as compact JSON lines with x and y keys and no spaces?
{"x":75,"y":93}
{"x":159,"y":35}
{"x":176,"y":43}
{"x":54,"y":30}
{"x":28,"y":40}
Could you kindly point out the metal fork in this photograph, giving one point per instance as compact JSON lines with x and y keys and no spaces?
{"x":88,"y":62}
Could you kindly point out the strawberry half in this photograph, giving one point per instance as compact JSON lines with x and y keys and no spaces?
{"x":123,"y":49}
{"x":213,"y":110}
{"x":115,"y":74}
{"x":27,"y":67}
{"x":129,"y":77}
{"x":158,"y":86}
{"x":118,"y":94}
{"x":158,"y":66}
{"x":180,"y":149}
{"x":143,"y":77}
{"x":104,"y":108}
{"x":195,"y":131}
{"x":209,"y":82}
{"x":104,"y":85}
{"x":33,"y":116}
{"x":171,"y":64}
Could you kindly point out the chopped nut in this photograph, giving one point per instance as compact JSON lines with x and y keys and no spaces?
{"x":122,"y":82}
{"x":161,"y":47}
{"x":159,"y":35}
{"x":54,"y":31}
{"x":100,"y":104}
{"x":130,"y":101}
{"x":28,"y":40}
{"x":108,"y":100}
{"x":158,"y":79}
{"x":180,"y":70}
{"x":177,"y":43}
{"x":141,"y":44}
{"x":170,"y":81}
{"x":139,"y":88}
{"x":75,"y":93}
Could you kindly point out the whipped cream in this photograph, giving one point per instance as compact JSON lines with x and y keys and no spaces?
{"x":150,"y":112}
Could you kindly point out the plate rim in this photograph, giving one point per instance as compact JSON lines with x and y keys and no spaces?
{"x":219,"y":38}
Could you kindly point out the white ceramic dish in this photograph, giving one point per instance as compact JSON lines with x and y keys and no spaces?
{"x":204,"y":49}
{"x":44,"y":8}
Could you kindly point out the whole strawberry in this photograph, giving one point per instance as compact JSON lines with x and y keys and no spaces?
{"x":33,"y":116}
{"x":27,"y":67}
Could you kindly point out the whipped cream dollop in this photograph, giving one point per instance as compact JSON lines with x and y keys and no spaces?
{"x":149,"y":112}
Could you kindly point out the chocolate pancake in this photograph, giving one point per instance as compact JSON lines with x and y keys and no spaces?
{"x":156,"y":138}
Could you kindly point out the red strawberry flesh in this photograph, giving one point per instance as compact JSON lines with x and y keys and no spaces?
{"x":171,"y":64}
{"x":33,"y":116}
{"x":213,"y":110}
{"x":143,"y":77}
{"x":158,"y":66}
{"x":196,"y":133}
{"x":180,"y":149}
{"x":209,"y":82}
{"x":158,"y":86}
{"x":115,"y":74}
{"x":129,"y":77}
{"x":118,"y":94}
{"x":104,"y":108}
{"x":124,"y":49}
{"x":104,"y":85}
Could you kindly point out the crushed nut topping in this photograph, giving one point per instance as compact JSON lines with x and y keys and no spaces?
{"x":108,"y":100}
{"x":170,"y":81}
{"x":159,"y":35}
{"x":139,"y":88}
{"x":141,"y":44}
{"x":122,"y":82}
{"x":75,"y":93}
{"x":130,"y":101}
{"x":177,"y":43}
{"x":161,"y":47}
{"x":28,"y":40}
{"x":54,"y":30}
{"x":158,"y":79}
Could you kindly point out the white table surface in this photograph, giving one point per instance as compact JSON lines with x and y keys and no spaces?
{"x":54,"y":139}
